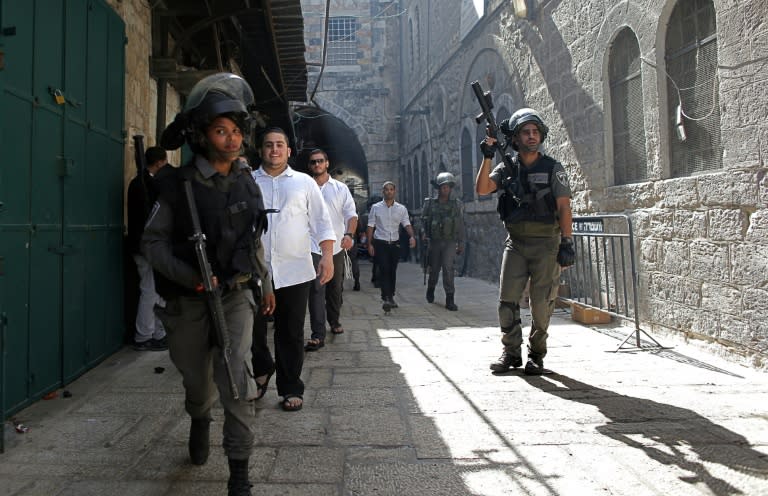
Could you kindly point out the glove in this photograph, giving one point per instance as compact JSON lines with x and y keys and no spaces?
{"x":566,"y":255}
{"x":488,"y":151}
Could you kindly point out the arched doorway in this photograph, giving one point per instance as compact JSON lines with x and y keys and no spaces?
{"x":316,"y":128}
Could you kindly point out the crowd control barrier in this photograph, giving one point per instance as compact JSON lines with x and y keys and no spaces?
{"x":605,"y":274}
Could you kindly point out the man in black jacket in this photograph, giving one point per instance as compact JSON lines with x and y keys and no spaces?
{"x":150,"y":334}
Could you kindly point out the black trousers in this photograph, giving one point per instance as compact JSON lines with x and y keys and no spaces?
{"x":386,"y":256}
{"x":290,"y":311}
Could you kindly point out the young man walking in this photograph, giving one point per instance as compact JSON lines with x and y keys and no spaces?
{"x":325,"y":300}
{"x":384,"y":220}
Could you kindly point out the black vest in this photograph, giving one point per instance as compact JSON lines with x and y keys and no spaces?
{"x":526,"y":192}
{"x":232,"y":217}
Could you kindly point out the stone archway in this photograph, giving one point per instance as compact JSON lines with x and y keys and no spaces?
{"x":317,"y":128}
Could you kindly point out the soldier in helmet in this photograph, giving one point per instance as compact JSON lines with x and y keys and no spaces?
{"x":232,"y":217}
{"x":535,"y":206}
{"x":442,"y":221}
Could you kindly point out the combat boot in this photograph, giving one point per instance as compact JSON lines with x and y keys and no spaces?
{"x":430,"y":295}
{"x":534,"y":366}
{"x":199,"y":440}
{"x":506,"y":361}
{"x":449,"y":304}
{"x":238,"y":484}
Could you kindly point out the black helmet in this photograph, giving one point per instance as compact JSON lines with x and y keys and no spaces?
{"x":445,"y":178}
{"x":218,"y":94}
{"x":510,"y":127}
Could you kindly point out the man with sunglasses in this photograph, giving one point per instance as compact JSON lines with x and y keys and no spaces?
{"x":325,"y":301}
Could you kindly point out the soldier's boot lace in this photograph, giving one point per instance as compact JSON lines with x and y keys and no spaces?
{"x":199,"y":440}
{"x":238,"y":484}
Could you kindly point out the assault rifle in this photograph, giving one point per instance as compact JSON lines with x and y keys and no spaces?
{"x":141,"y":167}
{"x":486,"y":104}
{"x":212,"y":290}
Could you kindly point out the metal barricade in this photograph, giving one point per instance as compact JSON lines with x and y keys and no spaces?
{"x":605,"y":274}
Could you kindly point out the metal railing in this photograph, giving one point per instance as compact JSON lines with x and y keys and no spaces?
{"x":605,"y":274}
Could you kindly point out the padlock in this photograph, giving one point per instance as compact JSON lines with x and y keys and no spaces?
{"x":59,"y":97}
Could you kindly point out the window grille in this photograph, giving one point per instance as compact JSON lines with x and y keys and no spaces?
{"x":342,"y":41}
{"x":691,"y":57}
{"x":629,"y":159}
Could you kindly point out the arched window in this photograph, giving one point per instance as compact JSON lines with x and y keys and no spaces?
{"x":626,"y":86}
{"x":693,"y":89}
{"x":467,"y":167}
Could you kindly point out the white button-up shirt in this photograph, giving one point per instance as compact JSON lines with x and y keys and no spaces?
{"x":387,"y":220}
{"x":302,"y":216}
{"x":341,"y":208}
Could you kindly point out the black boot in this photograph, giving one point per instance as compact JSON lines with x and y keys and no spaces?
{"x":199,"y":440}
{"x":505,"y":361}
{"x":535,"y":365}
{"x":449,"y":304}
{"x":430,"y":295}
{"x":238,"y":484}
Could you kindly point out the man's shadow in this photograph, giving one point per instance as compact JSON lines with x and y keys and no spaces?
{"x":670,"y":433}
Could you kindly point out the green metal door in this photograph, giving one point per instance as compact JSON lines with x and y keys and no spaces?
{"x":61,"y":183}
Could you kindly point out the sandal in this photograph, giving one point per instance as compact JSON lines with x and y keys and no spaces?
{"x":289,"y":406}
{"x":314,"y":344}
{"x":337,"y":330}
{"x":261,"y":389}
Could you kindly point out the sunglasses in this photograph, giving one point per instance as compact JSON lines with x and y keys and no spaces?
{"x":317,"y":161}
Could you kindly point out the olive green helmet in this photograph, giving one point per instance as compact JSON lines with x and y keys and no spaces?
{"x":445,"y":178}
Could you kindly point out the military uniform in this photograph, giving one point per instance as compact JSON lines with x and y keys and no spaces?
{"x":231,"y":214}
{"x":527,"y":205}
{"x":443,"y":224}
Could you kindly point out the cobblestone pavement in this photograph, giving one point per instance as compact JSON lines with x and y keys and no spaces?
{"x":404,"y":404}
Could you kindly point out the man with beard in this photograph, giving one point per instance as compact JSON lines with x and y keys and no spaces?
{"x":535,"y":206}
{"x":325,"y":301}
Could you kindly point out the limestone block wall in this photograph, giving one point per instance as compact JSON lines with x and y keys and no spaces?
{"x":140,"y":88}
{"x":701,"y":240}
{"x":365,"y":96}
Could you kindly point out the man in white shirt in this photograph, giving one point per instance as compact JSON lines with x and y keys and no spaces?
{"x":384,"y":221}
{"x":298,"y":215}
{"x":325,"y":300}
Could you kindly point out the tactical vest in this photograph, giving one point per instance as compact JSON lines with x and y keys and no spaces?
{"x":442,"y":219}
{"x":527,"y":195}
{"x":232,"y":221}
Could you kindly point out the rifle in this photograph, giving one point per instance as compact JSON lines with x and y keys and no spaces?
{"x":212,"y":291}
{"x":141,"y":167}
{"x":486,"y":104}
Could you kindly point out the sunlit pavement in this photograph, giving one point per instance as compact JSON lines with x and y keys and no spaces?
{"x":404,"y":404}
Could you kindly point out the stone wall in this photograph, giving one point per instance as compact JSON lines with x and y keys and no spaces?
{"x":140,"y":88}
{"x":365,"y":96}
{"x":702,"y":249}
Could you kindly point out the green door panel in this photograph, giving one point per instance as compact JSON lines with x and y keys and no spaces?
{"x":48,"y":55}
{"x":62,"y":216}
{"x":14,"y":289}
{"x":17,"y":75}
{"x":44,"y":311}
{"x":76,"y":16}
